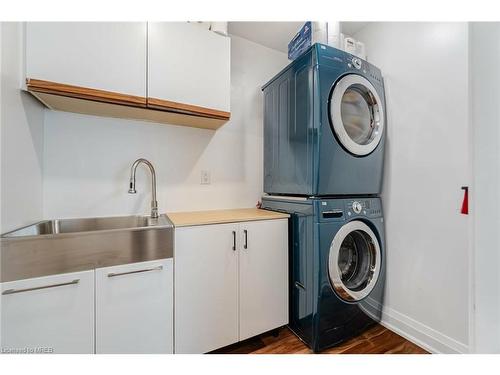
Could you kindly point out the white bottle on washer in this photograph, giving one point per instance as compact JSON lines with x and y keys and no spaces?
{"x":350,"y":45}
{"x":334,"y":36}
{"x":319,"y":32}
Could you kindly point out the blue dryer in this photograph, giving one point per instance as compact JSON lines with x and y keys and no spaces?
{"x":324,"y":126}
{"x":337,"y":266}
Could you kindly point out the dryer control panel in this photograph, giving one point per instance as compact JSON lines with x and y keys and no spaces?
{"x":347,"y":62}
{"x":348,"y":208}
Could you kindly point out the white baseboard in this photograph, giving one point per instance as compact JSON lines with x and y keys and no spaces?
{"x":420,"y":334}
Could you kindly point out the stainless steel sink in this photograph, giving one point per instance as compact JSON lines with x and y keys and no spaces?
{"x":62,"y":226}
{"x":69,"y":245}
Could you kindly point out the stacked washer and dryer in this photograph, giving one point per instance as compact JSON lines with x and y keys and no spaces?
{"x":324,"y":120}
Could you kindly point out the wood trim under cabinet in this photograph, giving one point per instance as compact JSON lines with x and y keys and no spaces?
{"x":95,"y":108}
{"x":79,"y":99}
{"x":189,"y":109}
{"x":48,"y":87}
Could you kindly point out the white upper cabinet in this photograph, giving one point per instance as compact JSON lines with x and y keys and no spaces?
{"x":108,"y":56}
{"x":189,"y":64}
{"x":263,"y":277}
{"x":53,"y":313}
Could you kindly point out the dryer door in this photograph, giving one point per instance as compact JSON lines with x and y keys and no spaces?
{"x":356,"y":114}
{"x":354,"y":261}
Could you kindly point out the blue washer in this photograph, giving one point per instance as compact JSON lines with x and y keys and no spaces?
{"x":337,"y":266}
{"x":324,"y":126}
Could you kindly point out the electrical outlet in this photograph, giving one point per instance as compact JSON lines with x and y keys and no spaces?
{"x":205,"y":177}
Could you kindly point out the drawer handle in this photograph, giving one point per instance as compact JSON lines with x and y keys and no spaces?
{"x":113,"y":274}
{"x":234,"y":240}
{"x":14,"y":291}
{"x":245,"y":245}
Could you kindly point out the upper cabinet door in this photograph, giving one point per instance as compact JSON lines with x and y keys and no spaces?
{"x":109,"y":56}
{"x":190,"y":66}
{"x":263,"y":278}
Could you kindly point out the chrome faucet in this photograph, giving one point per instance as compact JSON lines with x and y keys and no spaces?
{"x":131,"y":190}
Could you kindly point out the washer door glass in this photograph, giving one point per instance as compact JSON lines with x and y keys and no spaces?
{"x":354,"y":261}
{"x":356,"y":114}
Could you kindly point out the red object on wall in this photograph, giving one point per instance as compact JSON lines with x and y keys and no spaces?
{"x":465,"y":202}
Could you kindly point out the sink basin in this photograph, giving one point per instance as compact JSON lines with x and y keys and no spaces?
{"x":62,"y":226}
{"x":70,"y":245}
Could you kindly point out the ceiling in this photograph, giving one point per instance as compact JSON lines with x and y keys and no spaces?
{"x":276,"y":35}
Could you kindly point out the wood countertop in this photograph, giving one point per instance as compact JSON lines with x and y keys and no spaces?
{"x":186,"y":219}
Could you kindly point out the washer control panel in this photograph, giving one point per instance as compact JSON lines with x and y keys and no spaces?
{"x":363,"y":207}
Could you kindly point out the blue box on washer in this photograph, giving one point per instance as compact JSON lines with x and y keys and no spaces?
{"x":300,"y":42}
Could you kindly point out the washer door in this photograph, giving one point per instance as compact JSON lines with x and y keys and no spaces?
{"x":356,"y":114}
{"x":354,"y":261}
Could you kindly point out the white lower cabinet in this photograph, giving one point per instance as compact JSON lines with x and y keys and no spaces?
{"x":231,"y":283}
{"x":49,"y":314}
{"x":119,"y":309}
{"x":134,"y":308}
{"x":263,"y":286}
{"x":206,"y":287}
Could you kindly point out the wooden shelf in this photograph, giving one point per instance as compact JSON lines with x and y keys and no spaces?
{"x":188,"y":109}
{"x":40,"y":86}
{"x":68,"y":98}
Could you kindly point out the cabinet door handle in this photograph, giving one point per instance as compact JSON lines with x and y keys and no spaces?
{"x":300,"y":285}
{"x":14,"y":291}
{"x":113,"y":274}
{"x":245,"y":245}
{"x":234,"y":240}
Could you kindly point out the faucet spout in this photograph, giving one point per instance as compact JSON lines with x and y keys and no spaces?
{"x":154,"y":203}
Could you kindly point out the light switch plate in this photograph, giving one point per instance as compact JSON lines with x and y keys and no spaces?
{"x":205,"y":177}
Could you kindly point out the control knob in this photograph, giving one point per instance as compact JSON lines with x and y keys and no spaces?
{"x":356,"y":62}
{"x":357,"y":207}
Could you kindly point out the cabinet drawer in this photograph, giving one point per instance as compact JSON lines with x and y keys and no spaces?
{"x":134,"y":308}
{"x":55,"y":313}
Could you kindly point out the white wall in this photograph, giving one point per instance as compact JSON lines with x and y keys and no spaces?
{"x":87,"y":159}
{"x":21,"y":139}
{"x":425,"y":67}
{"x":485,"y":116}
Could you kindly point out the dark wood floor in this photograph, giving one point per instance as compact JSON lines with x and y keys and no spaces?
{"x":377,"y":340}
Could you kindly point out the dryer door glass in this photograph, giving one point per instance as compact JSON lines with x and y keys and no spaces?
{"x":356,"y":114}
{"x":354,"y":261}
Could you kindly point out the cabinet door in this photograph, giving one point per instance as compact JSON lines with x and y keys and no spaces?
{"x":134,"y":308}
{"x":49,"y":314}
{"x":108,"y":56}
{"x":206,"y":288}
{"x":263,"y":287}
{"x":189,"y":65}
